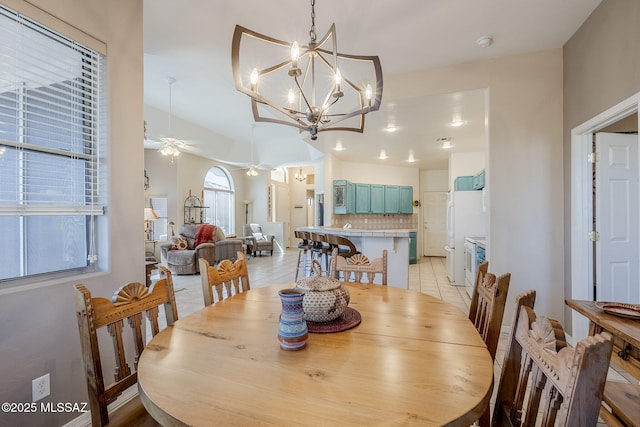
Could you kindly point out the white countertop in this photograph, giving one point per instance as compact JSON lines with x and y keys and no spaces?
{"x":395,"y":232}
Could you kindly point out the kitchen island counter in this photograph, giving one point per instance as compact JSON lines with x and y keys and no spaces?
{"x":371,"y":243}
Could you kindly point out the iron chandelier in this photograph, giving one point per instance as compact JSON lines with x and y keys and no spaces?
{"x":300,"y":85}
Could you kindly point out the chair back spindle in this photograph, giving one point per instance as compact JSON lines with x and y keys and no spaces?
{"x":357,"y":266}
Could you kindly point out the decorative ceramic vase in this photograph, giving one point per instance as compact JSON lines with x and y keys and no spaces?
{"x":325,"y":298}
{"x":292,"y":331}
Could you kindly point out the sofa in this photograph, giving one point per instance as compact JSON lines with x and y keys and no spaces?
{"x":257,"y":240}
{"x":181,"y":254}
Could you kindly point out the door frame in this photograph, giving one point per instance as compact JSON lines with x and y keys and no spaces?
{"x":581,"y":206}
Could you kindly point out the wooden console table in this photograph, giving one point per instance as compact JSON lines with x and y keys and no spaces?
{"x":622,"y":398}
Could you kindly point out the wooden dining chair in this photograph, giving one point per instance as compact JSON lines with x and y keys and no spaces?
{"x":481,"y":271}
{"x":491,"y":295}
{"x":486,"y":313}
{"x":358,"y":265}
{"x":228,"y":278}
{"x":139,"y":305}
{"x":538,"y":360}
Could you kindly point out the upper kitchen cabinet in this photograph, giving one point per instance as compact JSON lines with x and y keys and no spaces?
{"x":391,"y":199}
{"x":377,"y":198}
{"x":406,"y":199}
{"x":343,"y":197}
{"x":359,"y":198}
{"x":363,"y":198}
{"x":398,"y":199}
{"x":478,"y":180}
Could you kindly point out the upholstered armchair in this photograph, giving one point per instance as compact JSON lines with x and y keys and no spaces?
{"x":196,"y":241}
{"x":256,"y":238}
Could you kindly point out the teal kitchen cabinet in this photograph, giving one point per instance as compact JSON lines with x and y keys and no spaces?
{"x":479,"y":180}
{"x":391,"y":199}
{"x":363,"y":198}
{"x":377,"y":198}
{"x":343,"y":197}
{"x":406,"y":199}
{"x":413,"y":247}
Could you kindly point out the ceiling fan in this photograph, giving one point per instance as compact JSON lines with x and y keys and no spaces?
{"x":169,"y":146}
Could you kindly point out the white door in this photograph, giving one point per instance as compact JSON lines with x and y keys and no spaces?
{"x":434,"y":223}
{"x":617,"y":218}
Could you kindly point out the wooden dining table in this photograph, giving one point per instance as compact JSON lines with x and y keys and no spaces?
{"x":413,"y":360}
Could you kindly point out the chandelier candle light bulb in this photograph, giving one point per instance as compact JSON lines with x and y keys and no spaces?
{"x":295,"y":55}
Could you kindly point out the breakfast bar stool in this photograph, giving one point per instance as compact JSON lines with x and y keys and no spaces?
{"x":304,"y":249}
{"x":320,"y":250}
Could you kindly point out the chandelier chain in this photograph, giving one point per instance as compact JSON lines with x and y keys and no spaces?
{"x":312,"y":32}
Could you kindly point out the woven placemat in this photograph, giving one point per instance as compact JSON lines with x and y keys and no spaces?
{"x":349,"y":319}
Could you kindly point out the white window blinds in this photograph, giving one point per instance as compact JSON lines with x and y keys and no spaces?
{"x":52,"y":150}
{"x":51,"y":102}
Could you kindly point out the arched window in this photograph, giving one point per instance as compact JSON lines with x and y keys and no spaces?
{"x":219,"y":196}
{"x":279,"y":175}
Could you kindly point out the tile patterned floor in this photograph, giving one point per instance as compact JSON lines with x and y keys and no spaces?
{"x":427,"y":276}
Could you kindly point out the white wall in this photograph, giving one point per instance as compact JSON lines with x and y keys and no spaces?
{"x":377,"y":174}
{"x":39,"y":331}
{"x":434,"y":180}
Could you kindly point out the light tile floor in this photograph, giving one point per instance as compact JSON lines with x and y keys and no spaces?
{"x":427,"y":276}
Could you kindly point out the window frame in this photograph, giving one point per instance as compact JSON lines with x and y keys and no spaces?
{"x":211,"y":211}
{"x":91,"y":78}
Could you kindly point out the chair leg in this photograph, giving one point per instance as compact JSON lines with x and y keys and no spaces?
{"x":298,"y":266}
{"x":485,"y":418}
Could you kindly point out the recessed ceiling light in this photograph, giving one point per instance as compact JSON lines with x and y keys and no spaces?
{"x":383,"y":155}
{"x":485,"y":41}
{"x":391,"y":128}
{"x":457,"y":123}
{"x":339,"y":146}
{"x":444,"y":142}
{"x":411,"y":158}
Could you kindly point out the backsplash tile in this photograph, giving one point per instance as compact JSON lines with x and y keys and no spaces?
{"x":376,"y":222}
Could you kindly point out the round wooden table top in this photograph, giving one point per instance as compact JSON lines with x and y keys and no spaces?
{"x":414,"y":359}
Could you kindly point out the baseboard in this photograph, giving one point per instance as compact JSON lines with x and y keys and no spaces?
{"x":84,"y":420}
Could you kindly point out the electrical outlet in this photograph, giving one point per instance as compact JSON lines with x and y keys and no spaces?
{"x":40,"y":387}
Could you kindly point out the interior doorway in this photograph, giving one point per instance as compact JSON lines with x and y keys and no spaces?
{"x":311,"y":208}
{"x":434,"y":223}
{"x":594,"y":207}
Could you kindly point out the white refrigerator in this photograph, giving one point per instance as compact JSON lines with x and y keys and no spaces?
{"x":465,"y":217}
